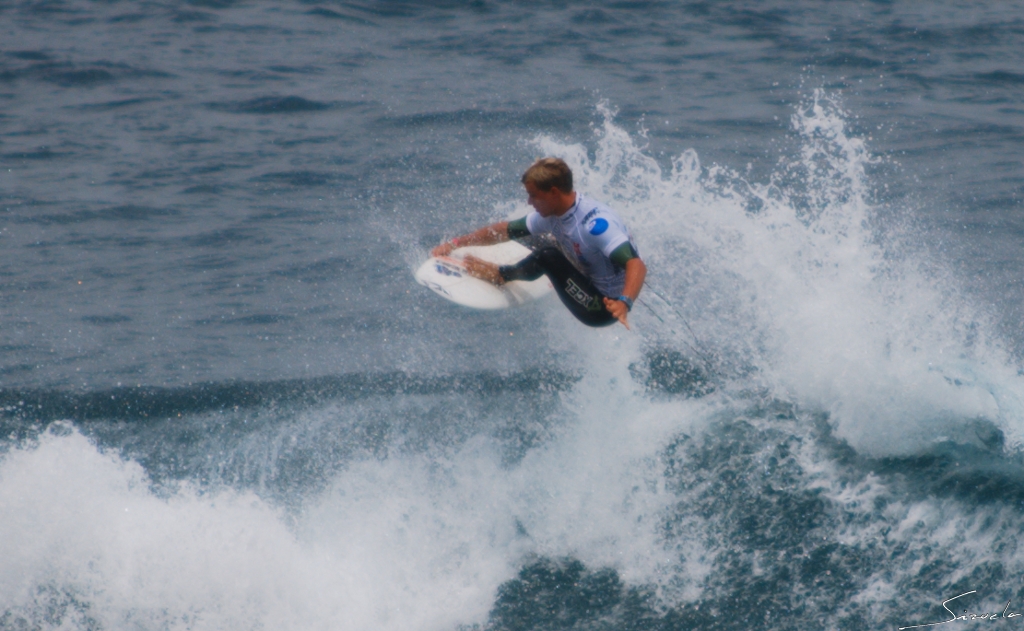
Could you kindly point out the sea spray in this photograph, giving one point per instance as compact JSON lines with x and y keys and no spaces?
{"x":792,"y":284}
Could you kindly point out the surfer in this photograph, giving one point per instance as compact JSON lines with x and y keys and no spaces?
{"x":595,"y":268}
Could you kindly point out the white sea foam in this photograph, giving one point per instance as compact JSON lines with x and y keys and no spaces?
{"x":407,"y":541}
{"x":796,"y":279}
{"x":85,"y":538}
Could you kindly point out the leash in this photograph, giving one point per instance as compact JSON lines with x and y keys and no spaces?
{"x":701,"y":352}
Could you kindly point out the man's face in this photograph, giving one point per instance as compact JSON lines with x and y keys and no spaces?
{"x":546,"y":203}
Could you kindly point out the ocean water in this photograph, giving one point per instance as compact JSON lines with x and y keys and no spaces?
{"x":226,"y":404}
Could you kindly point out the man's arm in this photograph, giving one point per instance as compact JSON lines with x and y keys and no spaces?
{"x":636,"y":271}
{"x":489,"y":235}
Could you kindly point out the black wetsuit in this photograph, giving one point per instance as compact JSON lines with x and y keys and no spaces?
{"x":574,"y":289}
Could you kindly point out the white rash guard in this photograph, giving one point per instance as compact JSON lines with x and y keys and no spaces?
{"x":587,"y":234}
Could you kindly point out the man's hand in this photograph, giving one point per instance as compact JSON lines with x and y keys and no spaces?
{"x":483,"y":270}
{"x":618,"y":309}
{"x":636,"y":271}
{"x":488,"y":235}
{"x":444,"y":249}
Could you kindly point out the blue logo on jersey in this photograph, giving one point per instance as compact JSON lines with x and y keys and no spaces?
{"x":599,"y":226}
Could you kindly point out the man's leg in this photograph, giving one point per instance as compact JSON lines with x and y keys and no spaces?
{"x":574,"y":289}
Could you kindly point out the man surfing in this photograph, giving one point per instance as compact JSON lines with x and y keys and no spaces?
{"x":595,"y":268}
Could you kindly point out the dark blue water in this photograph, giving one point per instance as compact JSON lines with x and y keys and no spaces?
{"x":226,"y":404}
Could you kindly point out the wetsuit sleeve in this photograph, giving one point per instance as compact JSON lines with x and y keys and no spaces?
{"x":517,"y":228}
{"x":622,"y":254}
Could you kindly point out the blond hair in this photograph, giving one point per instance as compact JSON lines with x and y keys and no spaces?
{"x":548,"y":173}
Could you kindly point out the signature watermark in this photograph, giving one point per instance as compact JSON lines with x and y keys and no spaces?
{"x":965,"y":616}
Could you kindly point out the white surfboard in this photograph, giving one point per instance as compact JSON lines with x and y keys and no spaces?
{"x":447,"y":276}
